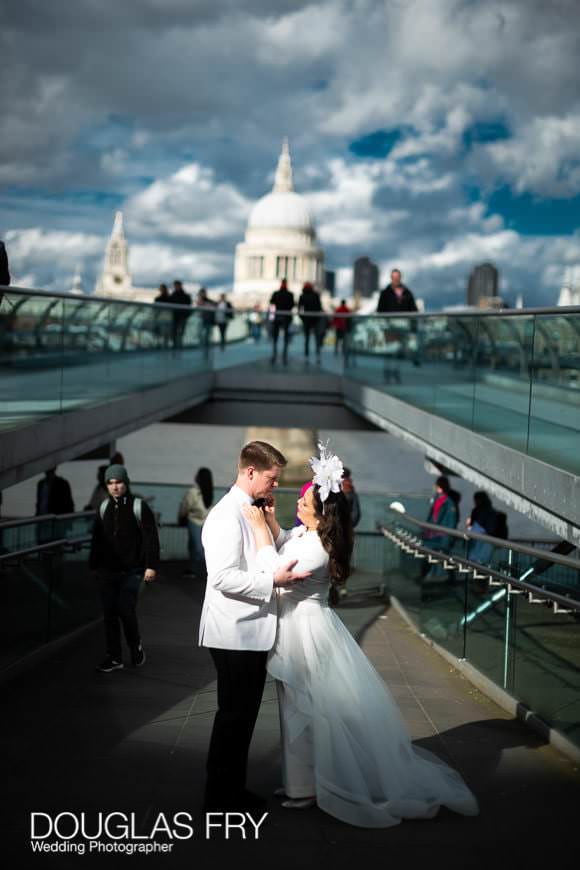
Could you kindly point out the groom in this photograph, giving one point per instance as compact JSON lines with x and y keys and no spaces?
{"x":238,"y":624}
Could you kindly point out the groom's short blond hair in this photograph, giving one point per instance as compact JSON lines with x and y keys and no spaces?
{"x":261,"y":456}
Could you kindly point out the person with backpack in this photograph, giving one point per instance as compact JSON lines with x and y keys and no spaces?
{"x":124,"y":551}
{"x":484,"y":520}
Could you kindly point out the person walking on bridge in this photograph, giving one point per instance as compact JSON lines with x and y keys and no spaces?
{"x":179,"y":297}
{"x":282,"y":303}
{"x":309,"y":305}
{"x":396,"y":297}
{"x":124,"y":551}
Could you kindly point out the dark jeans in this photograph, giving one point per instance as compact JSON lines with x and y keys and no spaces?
{"x":206,"y":331}
{"x":222,"y":328}
{"x":196,"y":550}
{"x":312,"y":326}
{"x":277,"y":326}
{"x":241,"y":676}
{"x":119,"y":596}
{"x":179,"y":324}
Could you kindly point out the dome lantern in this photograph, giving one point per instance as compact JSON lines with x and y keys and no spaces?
{"x":283,"y":179}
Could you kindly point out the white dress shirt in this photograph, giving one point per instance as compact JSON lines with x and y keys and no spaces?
{"x":239,"y":608}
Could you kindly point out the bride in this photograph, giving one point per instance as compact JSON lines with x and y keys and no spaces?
{"x":345,"y":746}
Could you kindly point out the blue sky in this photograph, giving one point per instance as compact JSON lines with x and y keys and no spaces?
{"x":428,"y":134}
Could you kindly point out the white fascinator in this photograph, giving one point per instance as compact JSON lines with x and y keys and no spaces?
{"x":327,"y":471}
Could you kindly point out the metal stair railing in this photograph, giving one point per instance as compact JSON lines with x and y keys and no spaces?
{"x":412,"y":544}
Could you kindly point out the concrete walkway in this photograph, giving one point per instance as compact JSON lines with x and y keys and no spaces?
{"x":135,"y":742}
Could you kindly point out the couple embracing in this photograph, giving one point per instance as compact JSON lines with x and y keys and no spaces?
{"x":345,"y":747}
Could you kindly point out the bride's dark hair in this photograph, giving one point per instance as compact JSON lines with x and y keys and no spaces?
{"x":336,"y":536}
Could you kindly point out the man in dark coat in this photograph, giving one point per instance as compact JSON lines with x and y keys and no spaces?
{"x":179,"y":297}
{"x":124,"y":551}
{"x":308,"y":304}
{"x":4,"y":271}
{"x":207,"y":319}
{"x":282,"y":301}
{"x":53,"y":495}
{"x":396,"y":296}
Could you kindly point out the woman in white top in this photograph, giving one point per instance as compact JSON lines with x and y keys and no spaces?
{"x":345,"y":745}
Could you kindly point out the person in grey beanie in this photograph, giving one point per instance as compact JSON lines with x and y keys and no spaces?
{"x":124,"y":552}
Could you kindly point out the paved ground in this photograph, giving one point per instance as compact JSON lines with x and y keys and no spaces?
{"x":135,"y":742}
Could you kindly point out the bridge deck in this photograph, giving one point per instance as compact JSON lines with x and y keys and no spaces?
{"x":135,"y":741}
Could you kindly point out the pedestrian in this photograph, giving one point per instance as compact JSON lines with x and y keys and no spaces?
{"x":163,"y":295}
{"x":351,"y":496}
{"x":223,"y":314}
{"x":100,"y":491}
{"x":162,"y":319}
{"x":124,"y":552}
{"x":207,"y":319}
{"x":308,"y":304}
{"x":193,"y":510}
{"x":281,"y":303}
{"x":484,"y":520}
{"x":255,"y":320}
{"x":179,"y":297}
{"x":443,"y":512}
{"x":53,"y":495}
{"x":341,"y":326}
{"x":396,"y":297}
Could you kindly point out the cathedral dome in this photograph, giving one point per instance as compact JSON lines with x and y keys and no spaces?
{"x":280,"y":242}
{"x":281,"y":210}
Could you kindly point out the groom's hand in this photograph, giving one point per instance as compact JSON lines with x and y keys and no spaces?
{"x":285,"y":576}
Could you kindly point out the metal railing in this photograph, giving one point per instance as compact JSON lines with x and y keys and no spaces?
{"x":510,"y":616}
{"x":561,"y":602}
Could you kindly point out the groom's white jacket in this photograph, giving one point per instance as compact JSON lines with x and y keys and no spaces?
{"x":239,"y":609}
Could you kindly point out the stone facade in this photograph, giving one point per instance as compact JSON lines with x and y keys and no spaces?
{"x":280,"y":242}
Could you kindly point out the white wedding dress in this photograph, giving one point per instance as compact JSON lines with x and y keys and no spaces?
{"x":343,"y":737}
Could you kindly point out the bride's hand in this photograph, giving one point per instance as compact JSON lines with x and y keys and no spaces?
{"x":254,"y":515}
{"x":269,"y":509}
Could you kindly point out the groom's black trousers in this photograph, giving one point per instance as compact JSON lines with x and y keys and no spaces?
{"x":241,"y":678}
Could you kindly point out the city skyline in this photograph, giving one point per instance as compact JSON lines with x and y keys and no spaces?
{"x":422,"y":136}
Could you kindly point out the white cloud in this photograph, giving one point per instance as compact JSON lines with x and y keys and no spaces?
{"x":152,"y":263}
{"x":44,"y":259}
{"x":188,"y":204}
{"x":543,"y":157}
{"x":199,"y":96}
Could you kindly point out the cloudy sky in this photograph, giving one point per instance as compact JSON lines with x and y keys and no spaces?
{"x":429,"y":134}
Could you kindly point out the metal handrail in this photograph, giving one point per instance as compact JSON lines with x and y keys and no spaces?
{"x":503,"y":312}
{"x":484,"y":570}
{"x":29,"y":521}
{"x":61,"y":543}
{"x":545,"y":555}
